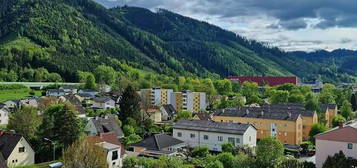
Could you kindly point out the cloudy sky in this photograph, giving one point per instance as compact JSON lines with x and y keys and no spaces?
{"x":290,"y":24}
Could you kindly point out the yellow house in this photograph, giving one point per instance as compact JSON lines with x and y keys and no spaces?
{"x":330,"y":111}
{"x":188,"y":100}
{"x":286,"y":126}
{"x":154,"y":114}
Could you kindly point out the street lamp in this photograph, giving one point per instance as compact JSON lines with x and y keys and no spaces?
{"x":54,"y":148}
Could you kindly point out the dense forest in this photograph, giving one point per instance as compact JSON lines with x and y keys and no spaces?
{"x":51,"y":40}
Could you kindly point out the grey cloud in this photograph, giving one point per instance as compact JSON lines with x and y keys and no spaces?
{"x":345,"y":40}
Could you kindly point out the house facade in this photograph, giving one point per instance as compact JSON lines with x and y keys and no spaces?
{"x":113,"y":154}
{"x":342,"y":138}
{"x":330,"y":111}
{"x":286,"y":126}
{"x":213,"y":134}
{"x":156,"y":96}
{"x":103,"y":103}
{"x":4,"y":116}
{"x":105,"y":124}
{"x":69,"y":89}
{"x":168,"y":112}
{"x":190,"y":101}
{"x":15,"y":150}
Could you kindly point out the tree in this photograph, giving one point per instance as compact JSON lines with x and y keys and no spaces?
{"x":84,"y":154}
{"x":227,"y":159}
{"x":291,"y":163}
{"x":339,"y":160}
{"x":25,"y":121}
{"x":269,"y":152}
{"x":215,"y":164}
{"x":346,"y":110}
{"x":296,"y":98}
{"x":312,"y":103}
{"x":316,"y":129}
{"x":54,"y":77}
{"x":90,"y":82}
{"x":354,"y":102}
{"x":105,"y":74}
{"x":228,"y":147}
{"x":279,"y":96}
{"x":327,"y":94}
{"x":184,"y":115}
{"x":61,"y":126}
{"x":130,"y":105}
{"x":223,"y":87}
{"x":337,"y":120}
{"x":200,"y":152}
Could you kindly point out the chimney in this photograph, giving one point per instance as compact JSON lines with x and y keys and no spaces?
{"x":289,"y":115}
{"x":340,"y":125}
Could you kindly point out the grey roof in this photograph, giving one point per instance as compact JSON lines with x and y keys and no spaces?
{"x":158,"y":142}
{"x":211,"y":126}
{"x":87,"y":91}
{"x":108,"y":124}
{"x":102,"y":99}
{"x":169,"y":108}
{"x":204,"y":116}
{"x":257,"y":112}
{"x":84,"y":95}
{"x":324,"y":107}
{"x":55,"y":90}
{"x":8,"y":142}
{"x":298,"y":108}
{"x":108,"y":146}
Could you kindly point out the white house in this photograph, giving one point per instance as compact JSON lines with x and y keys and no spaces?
{"x":168,"y":112}
{"x":15,"y":150}
{"x":4,"y":116}
{"x":106,"y":124}
{"x":214,"y":134}
{"x":69,"y":89}
{"x":113,"y":154}
{"x":11,"y":104}
{"x":31,"y":102}
{"x":103,"y":103}
{"x":342,"y":138}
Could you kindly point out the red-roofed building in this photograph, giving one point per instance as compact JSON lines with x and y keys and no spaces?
{"x":263,"y":80}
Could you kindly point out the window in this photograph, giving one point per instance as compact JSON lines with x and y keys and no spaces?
{"x":21,"y":149}
{"x":231,"y":140}
{"x":179,"y":134}
{"x":220,"y":138}
{"x":349,"y":146}
{"x":193,"y":135}
{"x":205,"y":137}
{"x":114,"y":155}
{"x":238,"y":140}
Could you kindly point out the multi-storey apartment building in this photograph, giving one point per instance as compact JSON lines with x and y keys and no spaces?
{"x":188,"y":100}
{"x":213,"y":134}
{"x":156,"y":96}
{"x":287,"y":126}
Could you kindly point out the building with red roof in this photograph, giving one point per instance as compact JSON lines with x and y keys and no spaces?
{"x":263,"y":80}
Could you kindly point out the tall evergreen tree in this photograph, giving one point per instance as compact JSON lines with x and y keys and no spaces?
{"x":130,"y":105}
{"x":346,"y":110}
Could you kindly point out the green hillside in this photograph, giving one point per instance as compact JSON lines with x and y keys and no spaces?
{"x":66,"y":36}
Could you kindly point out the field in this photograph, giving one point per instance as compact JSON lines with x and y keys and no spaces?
{"x":16,"y":94}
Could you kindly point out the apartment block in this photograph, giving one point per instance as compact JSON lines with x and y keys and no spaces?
{"x":156,"y":96}
{"x":188,"y":100}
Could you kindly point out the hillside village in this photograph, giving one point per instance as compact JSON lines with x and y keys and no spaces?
{"x":135,"y":126}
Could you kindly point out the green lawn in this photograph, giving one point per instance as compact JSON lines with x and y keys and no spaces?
{"x":16,"y":94}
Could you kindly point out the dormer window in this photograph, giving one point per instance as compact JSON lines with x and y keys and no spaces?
{"x":21,"y":149}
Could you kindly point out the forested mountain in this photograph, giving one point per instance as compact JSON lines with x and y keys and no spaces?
{"x":342,"y":60}
{"x":66,"y":36}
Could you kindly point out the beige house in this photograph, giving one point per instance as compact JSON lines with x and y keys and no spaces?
{"x":15,"y":150}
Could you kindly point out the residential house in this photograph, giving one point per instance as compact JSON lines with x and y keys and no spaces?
{"x":168,"y":112}
{"x":112,"y":146}
{"x":283,"y":124}
{"x":309,"y":117}
{"x":213,"y":134}
{"x":265,"y":80}
{"x":316,"y":86}
{"x":103,"y":103}
{"x":105,"y":124}
{"x":69,"y":89}
{"x":55,"y":92}
{"x":104,"y":88}
{"x":157,"y":145}
{"x":154,"y":114}
{"x":31,"y":102}
{"x":12,"y":104}
{"x":15,"y":149}
{"x":190,"y":101}
{"x":4,"y":115}
{"x":342,"y":138}
{"x":330,"y":111}
{"x":155,"y":96}
{"x":203,"y":116}
{"x":75,"y":100}
{"x":88,"y":92}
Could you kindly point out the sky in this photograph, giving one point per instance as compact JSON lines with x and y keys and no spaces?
{"x":292,"y":25}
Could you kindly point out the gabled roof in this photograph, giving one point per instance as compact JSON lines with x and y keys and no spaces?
{"x":109,"y":137}
{"x":107,"y":124}
{"x":211,"y":126}
{"x":158,"y":142}
{"x":169,"y":108}
{"x":347,"y":133}
{"x":102,"y":99}
{"x":204,"y":116}
{"x":8,"y":141}
{"x":256,"y":112}
{"x":298,"y":108}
